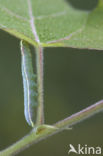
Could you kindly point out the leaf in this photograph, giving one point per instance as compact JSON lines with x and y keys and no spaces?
{"x":52,"y":23}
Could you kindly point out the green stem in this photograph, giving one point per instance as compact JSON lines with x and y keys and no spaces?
{"x":43,"y":132}
{"x":39,"y":65}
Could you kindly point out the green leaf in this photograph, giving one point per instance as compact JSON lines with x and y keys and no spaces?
{"x":52,"y":23}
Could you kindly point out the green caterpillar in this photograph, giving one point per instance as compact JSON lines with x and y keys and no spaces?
{"x":29,"y":84}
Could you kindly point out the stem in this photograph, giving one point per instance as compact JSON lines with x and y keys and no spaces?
{"x":39,"y":65}
{"x":81,"y":116}
{"x":41,"y":133}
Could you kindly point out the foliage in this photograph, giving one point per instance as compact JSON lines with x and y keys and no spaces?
{"x":42,"y":22}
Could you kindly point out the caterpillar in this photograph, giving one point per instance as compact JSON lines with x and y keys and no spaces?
{"x":29,"y":84}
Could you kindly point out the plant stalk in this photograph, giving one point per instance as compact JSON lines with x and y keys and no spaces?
{"x":39,"y":66}
{"x":38,"y":135}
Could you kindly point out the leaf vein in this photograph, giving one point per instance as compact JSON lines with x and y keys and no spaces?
{"x":67,"y":37}
{"x":12,"y":13}
{"x":32,"y":22}
{"x":52,"y":15}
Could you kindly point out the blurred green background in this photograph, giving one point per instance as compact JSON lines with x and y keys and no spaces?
{"x":73,"y":80}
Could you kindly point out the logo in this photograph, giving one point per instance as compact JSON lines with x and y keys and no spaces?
{"x":85,"y":150}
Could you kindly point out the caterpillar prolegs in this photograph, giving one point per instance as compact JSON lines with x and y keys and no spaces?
{"x":29,"y":84}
